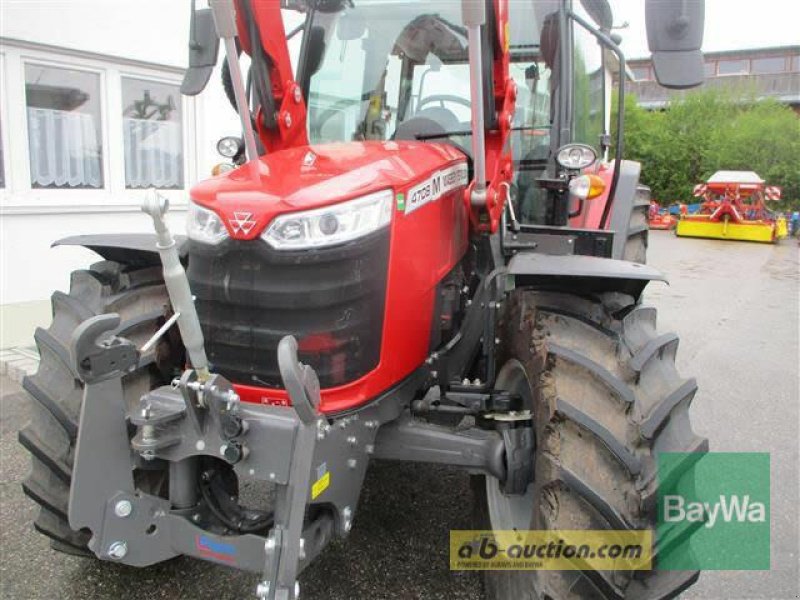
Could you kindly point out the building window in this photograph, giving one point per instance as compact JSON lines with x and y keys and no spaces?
{"x":796,"y":63}
{"x":770,"y":64}
{"x":641,"y":73}
{"x":64,"y":127}
{"x":733,"y":67}
{"x":152,"y":118}
{"x":711,"y":69}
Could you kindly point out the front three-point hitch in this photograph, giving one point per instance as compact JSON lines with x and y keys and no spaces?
{"x":202,"y":435}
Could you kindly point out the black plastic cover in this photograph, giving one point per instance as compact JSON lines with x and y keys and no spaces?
{"x":249,"y":296}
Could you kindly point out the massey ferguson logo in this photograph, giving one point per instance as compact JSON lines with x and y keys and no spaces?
{"x":242,"y":222}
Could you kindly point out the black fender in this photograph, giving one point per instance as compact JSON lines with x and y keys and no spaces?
{"x":625,"y":198}
{"x":581,"y":274}
{"x":136,"y":249}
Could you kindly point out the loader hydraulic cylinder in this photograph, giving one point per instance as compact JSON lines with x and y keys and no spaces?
{"x":474,"y":14}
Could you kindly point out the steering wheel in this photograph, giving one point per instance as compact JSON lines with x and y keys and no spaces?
{"x":442,"y":98}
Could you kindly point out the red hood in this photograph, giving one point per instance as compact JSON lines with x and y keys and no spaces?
{"x":314,"y":176}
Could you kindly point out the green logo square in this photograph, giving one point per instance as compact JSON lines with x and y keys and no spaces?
{"x":713,"y":511}
{"x":401,"y":201}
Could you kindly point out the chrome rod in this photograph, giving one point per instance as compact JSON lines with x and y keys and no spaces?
{"x":161,"y":331}
{"x":225,"y":22}
{"x":474,"y":16}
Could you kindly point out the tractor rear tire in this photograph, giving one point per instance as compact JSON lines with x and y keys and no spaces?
{"x":606,"y":400}
{"x":638,"y":227}
{"x":138,"y":295}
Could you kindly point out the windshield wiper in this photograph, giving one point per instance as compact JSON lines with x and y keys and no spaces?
{"x":432,"y":136}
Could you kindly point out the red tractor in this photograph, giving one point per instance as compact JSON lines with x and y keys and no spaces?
{"x":423,"y":254}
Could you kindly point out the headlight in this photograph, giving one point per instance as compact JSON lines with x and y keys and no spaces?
{"x":331,"y":225}
{"x":229,"y":146}
{"x":203,"y":225}
{"x":576,"y":156}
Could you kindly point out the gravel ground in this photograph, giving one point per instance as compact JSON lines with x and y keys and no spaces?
{"x":735,"y":306}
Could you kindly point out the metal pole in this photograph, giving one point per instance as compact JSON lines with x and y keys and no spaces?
{"x":177,"y":283}
{"x":474,"y":16}
{"x":225,"y":22}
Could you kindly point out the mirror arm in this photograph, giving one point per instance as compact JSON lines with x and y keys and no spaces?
{"x":606,"y":40}
{"x":193,"y":28}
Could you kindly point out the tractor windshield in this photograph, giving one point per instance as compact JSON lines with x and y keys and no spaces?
{"x":383,"y":63}
{"x":381,"y":70}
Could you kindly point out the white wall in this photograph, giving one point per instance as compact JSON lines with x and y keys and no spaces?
{"x":152,"y":31}
{"x":116,"y":37}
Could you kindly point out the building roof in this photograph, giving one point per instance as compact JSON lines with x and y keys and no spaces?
{"x":737,"y":52}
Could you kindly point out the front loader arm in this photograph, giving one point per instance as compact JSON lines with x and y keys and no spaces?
{"x":281,"y":118}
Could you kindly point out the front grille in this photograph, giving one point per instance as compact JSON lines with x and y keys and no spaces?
{"x":249,"y":296}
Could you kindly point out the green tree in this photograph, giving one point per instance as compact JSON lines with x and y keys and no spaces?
{"x":711,"y":130}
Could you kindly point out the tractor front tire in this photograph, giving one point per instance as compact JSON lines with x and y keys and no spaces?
{"x":606,"y":400}
{"x":55,"y":394}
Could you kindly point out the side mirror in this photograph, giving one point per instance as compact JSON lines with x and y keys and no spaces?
{"x":675,"y":36}
{"x":203,"y":49}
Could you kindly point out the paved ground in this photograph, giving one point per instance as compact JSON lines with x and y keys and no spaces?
{"x":736,"y":308}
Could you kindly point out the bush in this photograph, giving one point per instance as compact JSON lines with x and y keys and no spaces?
{"x":711,"y":130}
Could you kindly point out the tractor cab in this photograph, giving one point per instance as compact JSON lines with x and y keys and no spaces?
{"x":400,"y":71}
{"x":374,"y":71}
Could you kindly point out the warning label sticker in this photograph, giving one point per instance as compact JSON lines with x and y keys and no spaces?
{"x":320,"y":485}
{"x":436,"y":186}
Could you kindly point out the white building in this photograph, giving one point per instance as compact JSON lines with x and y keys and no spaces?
{"x":91,"y":115}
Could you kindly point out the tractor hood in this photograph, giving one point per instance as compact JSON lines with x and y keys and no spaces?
{"x":308,"y":177}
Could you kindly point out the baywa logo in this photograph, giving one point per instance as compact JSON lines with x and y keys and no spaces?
{"x":728,"y":508}
{"x":713,"y":511}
